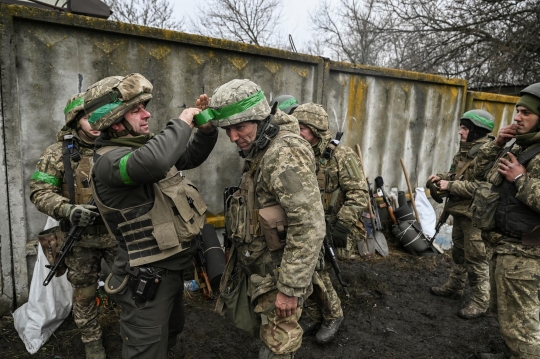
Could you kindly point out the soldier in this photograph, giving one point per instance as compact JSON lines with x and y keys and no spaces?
{"x":275,"y":220}
{"x":470,"y":255}
{"x":59,"y":188}
{"x":152,"y":210}
{"x":340,"y":177}
{"x":516,"y":263}
{"x":286,"y":103}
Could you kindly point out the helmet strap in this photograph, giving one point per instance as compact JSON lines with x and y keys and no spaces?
{"x":128,"y":130}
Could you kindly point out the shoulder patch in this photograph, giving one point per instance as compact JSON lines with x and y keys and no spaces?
{"x":291,"y":181}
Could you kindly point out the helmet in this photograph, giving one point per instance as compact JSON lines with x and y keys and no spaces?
{"x":530,"y":98}
{"x":286,"y":103}
{"x":237,"y":101}
{"x":312,"y":115}
{"x":108,"y":100}
{"x":480,"y":118}
{"x":73,"y":107}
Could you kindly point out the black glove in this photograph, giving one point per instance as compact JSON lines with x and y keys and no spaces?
{"x":339,"y":235}
{"x":82,"y":215}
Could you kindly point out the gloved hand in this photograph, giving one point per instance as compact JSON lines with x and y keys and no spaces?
{"x":81,"y":215}
{"x":339,"y":235}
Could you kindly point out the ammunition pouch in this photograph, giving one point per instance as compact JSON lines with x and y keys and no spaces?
{"x":144,"y":282}
{"x":483,"y":207}
{"x":273,"y":221}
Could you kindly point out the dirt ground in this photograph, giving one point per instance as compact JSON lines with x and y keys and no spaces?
{"x":390,"y":314}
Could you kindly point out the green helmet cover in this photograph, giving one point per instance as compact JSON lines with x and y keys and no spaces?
{"x":286,"y":103}
{"x":109,"y":99}
{"x":480,"y":118}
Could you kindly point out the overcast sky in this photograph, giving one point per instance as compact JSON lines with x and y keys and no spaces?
{"x":295,"y":17}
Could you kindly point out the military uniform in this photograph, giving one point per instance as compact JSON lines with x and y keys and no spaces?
{"x":275,"y":221}
{"x":515,"y":266}
{"x":50,"y":194}
{"x":469,"y":253}
{"x":344,"y":195}
{"x":153,"y":212}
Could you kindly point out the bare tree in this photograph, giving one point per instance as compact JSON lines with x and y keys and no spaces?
{"x":153,"y":13}
{"x":353,"y":30}
{"x":490,"y":43}
{"x":250,"y":21}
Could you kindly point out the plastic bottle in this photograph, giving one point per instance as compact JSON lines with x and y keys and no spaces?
{"x":191,"y":286}
{"x":444,"y":237}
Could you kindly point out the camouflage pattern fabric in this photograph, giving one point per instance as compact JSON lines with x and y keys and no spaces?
{"x":515,"y":286}
{"x":285,"y":176}
{"x":84,"y":261}
{"x":313,"y":115}
{"x":471,"y":258}
{"x":324,"y":303}
{"x":516,"y":270}
{"x":73,"y":107}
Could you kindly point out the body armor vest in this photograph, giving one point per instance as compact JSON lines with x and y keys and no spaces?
{"x":81,"y":170}
{"x":326,"y":198}
{"x":512,"y":216}
{"x":159,"y":229}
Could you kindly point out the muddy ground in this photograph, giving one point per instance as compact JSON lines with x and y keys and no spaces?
{"x":391,"y":314}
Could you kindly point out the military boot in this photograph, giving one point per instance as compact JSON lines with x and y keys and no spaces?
{"x":95,"y":350}
{"x":447,"y":290}
{"x":309,"y":326}
{"x":471,"y":311}
{"x":328,"y":330}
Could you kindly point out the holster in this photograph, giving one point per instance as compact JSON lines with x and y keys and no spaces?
{"x":144,"y":282}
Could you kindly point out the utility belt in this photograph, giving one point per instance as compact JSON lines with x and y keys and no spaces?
{"x":261,"y":269}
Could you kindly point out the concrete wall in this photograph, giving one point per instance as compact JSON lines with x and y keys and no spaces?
{"x":47,"y":56}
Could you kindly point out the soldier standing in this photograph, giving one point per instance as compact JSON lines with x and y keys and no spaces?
{"x":151,"y":209}
{"x":59,"y":188}
{"x":516,"y":263}
{"x":470,"y":255}
{"x":275,"y":219}
{"x":343,"y":189}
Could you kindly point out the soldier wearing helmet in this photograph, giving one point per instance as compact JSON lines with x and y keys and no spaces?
{"x":344,"y":194}
{"x":278,"y":239}
{"x":515,"y":178}
{"x":152,"y":210}
{"x":470,"y":255}
{"x":286,"y":103}
{"x":59,"y":188}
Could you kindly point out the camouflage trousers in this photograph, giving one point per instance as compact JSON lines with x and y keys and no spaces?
{"x":514,"y":289}
{"x":84,"y":266}
{"x":356,"y":235}
{"x":471,"y":260}
{"x":324,"y":303}
{"x":281,"y":335}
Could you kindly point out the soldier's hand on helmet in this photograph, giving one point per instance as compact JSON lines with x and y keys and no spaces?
{"x":339,"y":235}
{"x":82,"y":215}
{"x":285,"y":305}
{"x":434,"y":178}
{"x":510,"y":168}
{"x":188,"y":114}
{"x":202,"y":102}
{"x":506,"y":133}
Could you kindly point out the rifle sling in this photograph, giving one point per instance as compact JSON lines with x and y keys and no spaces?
{"x":68,"y":170}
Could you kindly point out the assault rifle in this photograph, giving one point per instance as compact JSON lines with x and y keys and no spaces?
{"x":227,"y":243}
{"x":331,"y":257}
{"x":200,"y":266}
{"x":442,"y":220}
{"x":74,"y":235}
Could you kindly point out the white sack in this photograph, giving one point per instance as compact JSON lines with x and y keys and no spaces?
{"x":47,"y":307}
{"x":428,"y":217}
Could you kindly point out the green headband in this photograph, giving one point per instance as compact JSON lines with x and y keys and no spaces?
{"x":289,"y":102}
{"x":73,"y":104}
{"x":102,"y":111}
{"x":482,"y":120}
{"x":229,"y":110}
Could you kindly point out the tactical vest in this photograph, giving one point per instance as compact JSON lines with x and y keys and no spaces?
{"x":326,"y":198}
{"x":83,"y":193}
{"x":159,"y":229}
{"x":246,"y":221}
{"x":512,"y":216}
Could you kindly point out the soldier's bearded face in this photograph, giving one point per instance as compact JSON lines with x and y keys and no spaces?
{"x":138,"y":119}
{"x":526,"y":121}
{"x":463,"y":132}
{"x":243,"y":134}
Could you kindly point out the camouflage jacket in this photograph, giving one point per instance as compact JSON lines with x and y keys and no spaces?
{"x":344,"y":179}
{"x":461,"y":189}
{"x":123,"y":177}
{"x":528,"y":192}
{"x":47,"y":181}
{"x":286,"y":176}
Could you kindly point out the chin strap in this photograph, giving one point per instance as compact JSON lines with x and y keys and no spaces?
{"x":266,"y":131}
{"x":128,"y":130}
